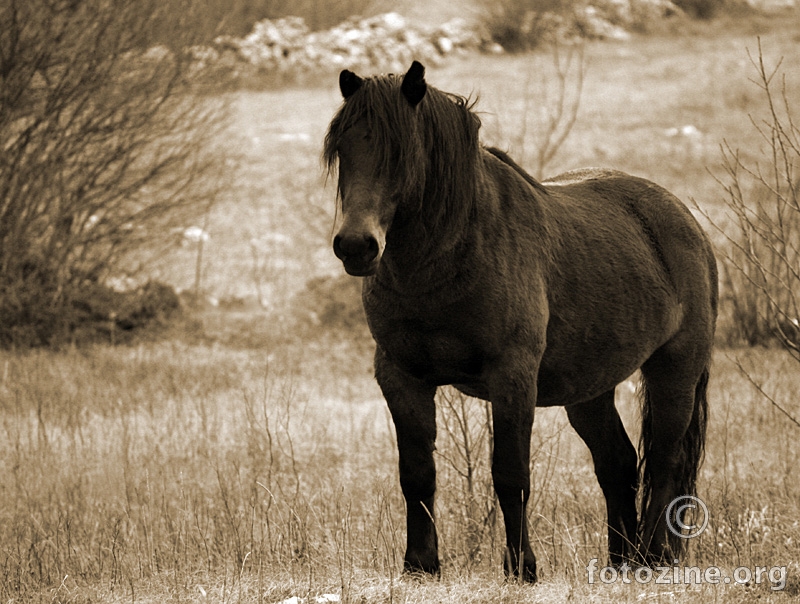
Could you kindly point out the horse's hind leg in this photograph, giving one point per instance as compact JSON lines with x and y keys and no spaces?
{"x":673,"y":439}
{"x":615,"y":463}
{"x":411,"y":404}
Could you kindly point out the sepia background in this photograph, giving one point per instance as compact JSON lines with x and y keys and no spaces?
{"x":187,"y":410}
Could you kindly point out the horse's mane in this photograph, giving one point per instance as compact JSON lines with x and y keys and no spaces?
{"x":428,"y":153}
{"x":503,"y":157}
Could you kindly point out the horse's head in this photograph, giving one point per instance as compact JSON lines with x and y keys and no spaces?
{"x":375,"y":141}
{"x":407,"y":156}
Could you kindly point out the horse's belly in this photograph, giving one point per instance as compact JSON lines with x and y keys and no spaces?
{"x":557,"y":388}
{"x":576,"y":369}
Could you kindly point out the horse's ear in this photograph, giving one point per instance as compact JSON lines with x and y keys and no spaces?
{"x":349,"y":83}
{"x":414,"y":86}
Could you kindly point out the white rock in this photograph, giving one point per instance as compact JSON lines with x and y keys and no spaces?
{"x":387,"y":41}
{"x":195,"y":234}
{"x":445,"y":45}
{"x":594,"y":24}
{"x":157,"y":53}
{"x":689,"y":131}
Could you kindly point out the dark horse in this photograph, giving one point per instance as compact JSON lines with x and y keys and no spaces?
{"x":522,"y":293}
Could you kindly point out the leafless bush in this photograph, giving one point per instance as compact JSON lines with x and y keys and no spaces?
{"x":761,"y":265}
{"x":103,"y":150}
{"x":705,"y":9}
{"x":466,"y":445}
{"x":550,"y":105}
{"x":761,"y":261}
{"x":521,"y":25}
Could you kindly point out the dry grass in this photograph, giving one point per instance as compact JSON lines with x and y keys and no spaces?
{"x":166,"y":472}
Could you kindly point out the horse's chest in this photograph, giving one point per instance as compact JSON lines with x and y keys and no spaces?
{"x":434,"y":354}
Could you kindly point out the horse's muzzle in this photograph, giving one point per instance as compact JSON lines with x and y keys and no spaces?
{"x":358,"y":253}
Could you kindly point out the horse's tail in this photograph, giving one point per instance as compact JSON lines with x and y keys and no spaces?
{"x":692,"y":448}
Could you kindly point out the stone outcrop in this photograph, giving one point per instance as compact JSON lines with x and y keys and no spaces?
{"x":388,"y":42}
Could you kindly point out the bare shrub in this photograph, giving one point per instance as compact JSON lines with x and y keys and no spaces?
{"x":761,"y":261}
{"x":550,"y":104}
{"x":703,"y":9}
{"x":331,"y":305}
{"x":761,"y":266}
{"x":521,"y":25}
{"x":466,"y":448}
{"x":104,"y":149}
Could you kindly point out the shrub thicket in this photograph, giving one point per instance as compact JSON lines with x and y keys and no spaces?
{"x":104,"y":150}
{"x":331,"y":304}
{"x":761,"y":262}
{"x":521,"y":25}
{"x":702,"y":9}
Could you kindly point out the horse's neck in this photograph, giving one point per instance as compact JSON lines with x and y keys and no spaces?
{"x":505,"y":210}
{"x":422,"y":258}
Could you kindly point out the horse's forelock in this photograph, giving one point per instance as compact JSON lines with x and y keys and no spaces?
{"x":392,"y":125}
{"x":426,"y":151}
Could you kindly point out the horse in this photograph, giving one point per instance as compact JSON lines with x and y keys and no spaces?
{"x":522,"y":293}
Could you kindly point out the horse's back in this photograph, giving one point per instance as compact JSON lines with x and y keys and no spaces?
{"x":663,"y":221}
{"x":581,"y":175}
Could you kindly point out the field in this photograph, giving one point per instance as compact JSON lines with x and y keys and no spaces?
{"x":247,"y":460}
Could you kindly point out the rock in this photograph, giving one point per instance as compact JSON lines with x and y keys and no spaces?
{"x":592,"y":24}
{"x":445,"y":45}
{"x":195,"y":234}
{"x":689,"y":131}
{"x":388,"y":42}
{"x":383,"y":42}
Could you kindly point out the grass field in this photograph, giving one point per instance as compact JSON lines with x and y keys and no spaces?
{"x":166,"y":472}
{"x":244,"y":463}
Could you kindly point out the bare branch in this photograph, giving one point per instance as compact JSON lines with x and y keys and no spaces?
{"x":758,"y":387}
{"x":762,"y":256}
{"x":549,"y":108}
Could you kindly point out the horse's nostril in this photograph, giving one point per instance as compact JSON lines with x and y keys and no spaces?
{"x":372,"y":247}
{"x":337,"y":247}
{"x":363,"y":247}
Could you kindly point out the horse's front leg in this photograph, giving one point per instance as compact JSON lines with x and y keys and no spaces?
{"x":411,"y":403}
{"x":513,"y":398}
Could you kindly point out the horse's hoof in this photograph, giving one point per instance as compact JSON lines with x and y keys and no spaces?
{"x":422,"y":571}
{"x":528,"y":574}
